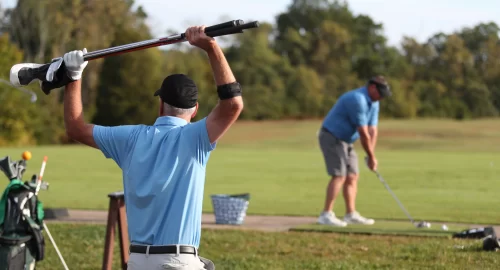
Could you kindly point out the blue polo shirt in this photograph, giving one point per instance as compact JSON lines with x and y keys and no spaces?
{"x":163,"y":168}
{"x":352,"y":110}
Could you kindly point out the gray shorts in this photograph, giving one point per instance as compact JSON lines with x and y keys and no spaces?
{"x":340,"y":157}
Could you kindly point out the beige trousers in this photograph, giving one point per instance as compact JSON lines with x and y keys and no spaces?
{"x":164,"y":262}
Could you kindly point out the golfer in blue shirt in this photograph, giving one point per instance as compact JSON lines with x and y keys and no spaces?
{"x":163,"y":165}
{"x":354,"y":116}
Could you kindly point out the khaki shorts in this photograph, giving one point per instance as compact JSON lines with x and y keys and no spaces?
{"x":340,"y":157}
{"x":168,"y":261}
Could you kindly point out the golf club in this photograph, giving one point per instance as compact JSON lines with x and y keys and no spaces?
{"x":25,"y":73}
{"x":421,"y":224}
{"x":38,"y":186}
{"x":24,"y":90}
{"x":39,"y":182}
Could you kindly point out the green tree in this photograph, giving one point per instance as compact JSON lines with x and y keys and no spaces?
{"x":16,"y":111}
{"x":260,"y":71}
{"x":36,"y":27}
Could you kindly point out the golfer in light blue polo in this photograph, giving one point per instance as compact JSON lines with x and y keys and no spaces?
{"x":164,"y":164}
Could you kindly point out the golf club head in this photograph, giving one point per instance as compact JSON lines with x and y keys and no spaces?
{"x":34,"y":180}
{"x":21,"y":168}
{"x":6,"y":166}
{"x":423,"y":224}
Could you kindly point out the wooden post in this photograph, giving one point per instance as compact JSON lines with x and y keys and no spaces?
{"x":116,"y":216}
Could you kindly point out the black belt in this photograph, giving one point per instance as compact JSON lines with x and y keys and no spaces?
{"x":327,"y":131}
{"x":171,"y":249}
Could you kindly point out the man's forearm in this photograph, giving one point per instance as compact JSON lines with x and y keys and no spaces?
{"x":230,"y":105}
{"x":373,"y":137}
{"x":366,"y":142}
{"x":73,"y":109}
{"x":220,"y":67}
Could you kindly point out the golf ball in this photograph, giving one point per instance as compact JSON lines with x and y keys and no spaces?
{"x":444,"y":227}
{"x":26,"y":155}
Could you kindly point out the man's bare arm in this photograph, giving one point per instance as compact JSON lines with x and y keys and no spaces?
{"x":76,"y":128}
{"x":373,"y":131}
{"x":366,"y":141}
{"x":227,"y":111}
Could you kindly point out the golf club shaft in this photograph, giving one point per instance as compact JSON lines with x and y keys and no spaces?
{"x":55,"y":246}
{"x":394,"y":196}
{"x":24,"y":90}
{"x":40,"y":176}
{"x":213,"y":31}
{"x":88,"y":56}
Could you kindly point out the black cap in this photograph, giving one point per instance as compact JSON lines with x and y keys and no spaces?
{"x":382,"y":86}
{"x":179,"y":91}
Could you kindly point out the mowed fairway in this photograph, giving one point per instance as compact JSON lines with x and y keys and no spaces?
{"x":440,"y":170}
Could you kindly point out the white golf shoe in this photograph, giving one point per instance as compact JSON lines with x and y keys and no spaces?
{"x":328,"y":218}
{"x":356,"y":218}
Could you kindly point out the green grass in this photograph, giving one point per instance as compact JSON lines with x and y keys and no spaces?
{"x":440,"y":170}
{"x":386,"y":228}
{"x":82,"y":247}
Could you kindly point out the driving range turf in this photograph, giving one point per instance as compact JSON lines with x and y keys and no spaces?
{"x":82,"y":248}
{"x":441,"y":170}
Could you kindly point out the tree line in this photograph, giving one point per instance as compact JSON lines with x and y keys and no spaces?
{"x":292,"y":68}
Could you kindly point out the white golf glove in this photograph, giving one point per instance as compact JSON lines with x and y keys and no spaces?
{"x":75,"y":64}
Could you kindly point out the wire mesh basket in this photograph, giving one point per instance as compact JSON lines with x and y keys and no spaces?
{"x":230,"y":209}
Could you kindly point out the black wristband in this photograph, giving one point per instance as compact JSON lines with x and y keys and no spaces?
{"x":230,"y":90}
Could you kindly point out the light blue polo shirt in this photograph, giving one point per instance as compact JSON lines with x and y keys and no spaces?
{"x":163,"y":169}
{"x":352,"y":110}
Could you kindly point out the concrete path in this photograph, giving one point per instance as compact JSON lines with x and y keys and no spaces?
{"x":252,"y":222}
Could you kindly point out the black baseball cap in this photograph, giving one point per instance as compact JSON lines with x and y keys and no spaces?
{"x":179,"y":91}
{"x":382,"y":86}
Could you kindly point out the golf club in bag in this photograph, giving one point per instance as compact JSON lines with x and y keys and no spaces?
{"x":53,"y":75}
{"x":22,"y":243}
{"x":421,"y":224}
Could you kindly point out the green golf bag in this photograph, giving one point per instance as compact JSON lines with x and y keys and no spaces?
{"x":21,"y":221}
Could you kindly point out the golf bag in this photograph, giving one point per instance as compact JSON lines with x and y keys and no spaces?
{"x":488,"y":235}
{"x":21,"y":221}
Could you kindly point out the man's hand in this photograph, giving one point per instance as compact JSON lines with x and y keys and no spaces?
{"x":75,"y":64}
{"x":372,"y":163}
{"x":197,"y":37}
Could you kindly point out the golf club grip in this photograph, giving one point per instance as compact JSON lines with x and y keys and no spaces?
{"x":229,"y":24}
{"x":232,"y":30}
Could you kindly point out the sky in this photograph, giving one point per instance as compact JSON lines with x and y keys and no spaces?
{"x":416,"y":18}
